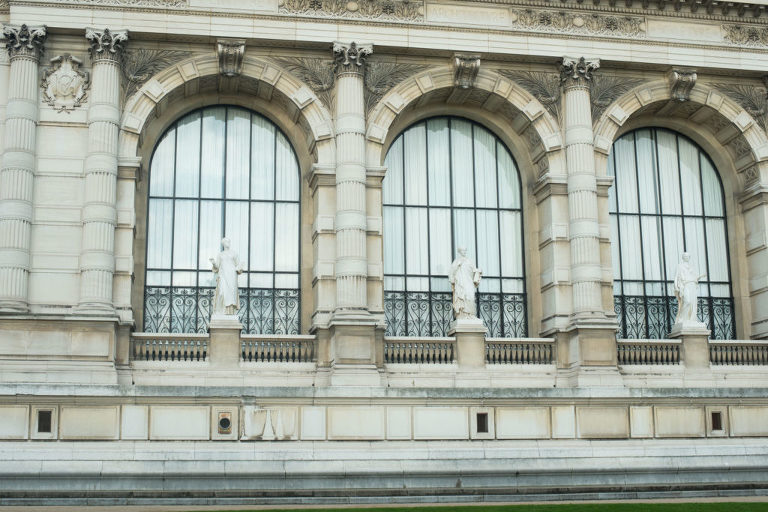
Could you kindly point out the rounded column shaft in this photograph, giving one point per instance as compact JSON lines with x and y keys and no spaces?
{"x":25,"y":45}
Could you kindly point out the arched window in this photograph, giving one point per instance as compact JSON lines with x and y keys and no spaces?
{"x":667,"y":199}
{"x":451,"y":183}
{"x":222,"y":171}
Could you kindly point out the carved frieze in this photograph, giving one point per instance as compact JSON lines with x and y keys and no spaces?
{"x":752,"y":98}
{"x":752,"y":176}
{"x":316,"y":73}
{"x":746,"y":35}
{"x":577,"y":71}
{"x":383,"y":10}
{"x":106,"y":44}
{"x":546,"y":20}
{"x":64,"y":84}
{"x":141,"y":64}
{"x":380,"y":77}
{"x":23,"y":41}
{"x":350,"y":57}
{"x":230,"y":53}
{"x":681,"y":83}
{"x":465,"y":69}
{"x":545,"y":87}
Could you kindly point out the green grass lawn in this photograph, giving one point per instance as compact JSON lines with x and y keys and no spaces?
{"x":581,"y":507}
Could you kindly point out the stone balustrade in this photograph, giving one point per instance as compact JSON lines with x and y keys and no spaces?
{"x":169,"y":347}
{"x":738,"y":352}
{"x":519,"y":350}
{"x":436,"y":350}
{"x":648,"y":351}
{"x":271,"y":348}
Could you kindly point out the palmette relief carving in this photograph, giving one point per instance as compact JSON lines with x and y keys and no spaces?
{"x":384,"y":10}
{"x":752,"y":98}
{"x":64,"y":84}
{"x":316,"y":73}
{"x":381,"y":77}
{"x":545,"y":87}
{"x":141,"y":64}
{"x":605,"y":89}
{"x":545,"y":20}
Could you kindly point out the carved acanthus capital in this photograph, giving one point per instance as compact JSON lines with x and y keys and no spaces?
{"x":577,"y":71}
{"x":231,"y":53}
{"x":681,"y":82}
{"x":23,"y":41}
{"x":350,"y":57}
{"x":106,"y":44}
{"x":465,"y":68}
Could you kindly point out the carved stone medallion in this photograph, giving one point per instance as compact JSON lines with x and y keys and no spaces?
{"x":64,"y":84}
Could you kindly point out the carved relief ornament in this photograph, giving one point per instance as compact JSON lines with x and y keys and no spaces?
{"x":230,"y":53}
{"x":350,"y":58}
{"x":465,"y":69}
{"x":547,"y":20}
{"x":64,"y":84}
{"x":23,"y":41}
{"x":681,"y":83}
{"x":106,"y":44}
{"x":577,"y":71}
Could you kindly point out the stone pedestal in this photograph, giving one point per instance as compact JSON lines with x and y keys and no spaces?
{"x":353,"y":345}
{"x":224,"y":347}
{"x":695,"y":341}
{"x":470,"y":342}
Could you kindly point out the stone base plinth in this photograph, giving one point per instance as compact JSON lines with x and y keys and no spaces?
{"x":355,"y":375}
{"x":224,"y":348}
{"x":470,"y":342}
{"x":695,"y":341}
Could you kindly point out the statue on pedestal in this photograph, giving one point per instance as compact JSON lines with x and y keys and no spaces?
{"x":687,"y":293}
{"x":464,"y":277}
{"x":226,"y":266}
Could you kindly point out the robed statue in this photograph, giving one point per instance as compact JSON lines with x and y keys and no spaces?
{"x":464,"y":277}
{"x":687,"y":292}
{"x":226,"y":265}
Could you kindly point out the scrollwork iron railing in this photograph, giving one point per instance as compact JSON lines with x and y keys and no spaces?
{"x":188,"y":309}
{"x":429,"y":314}
{"x":647,"y":317}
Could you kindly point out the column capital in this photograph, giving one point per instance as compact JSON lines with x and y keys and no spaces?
{"x":106,"y":44}
{"x":577,"y":71}
{"x":350,"y":57}
{"x":25,"y":41}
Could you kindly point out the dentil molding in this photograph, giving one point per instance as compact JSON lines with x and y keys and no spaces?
{"x":64,"y":84}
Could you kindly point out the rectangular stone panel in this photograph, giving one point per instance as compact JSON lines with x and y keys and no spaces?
{"x":680,"y":422}
{"x":748,"y":421}
{"x":563,"y":422}
{"x":602,"y":422}
{"x":14,"y":422}
{"x":522,"y":422}
{"x":399,"y":423}
{"x":89,"y":423}
{"x":356,"y":423}
{"x":313,"y":423}
{"x":440,"y":423}
{"x":641,"y":421}
{"x":135,"y":422}
{"x":179,"y":423}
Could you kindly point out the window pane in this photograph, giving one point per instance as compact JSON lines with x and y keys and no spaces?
{"x":393,"y":181}
{"x":485,"y":168}
{"x":511,"y":244}
{"x":673,"y":244}
{"x":188,"y":156}
{"x":652,"y":256}
{"x":439,"y":162}
{"x":160,"y":233}
{"x":717,"y":250}
{"x":287,"y":171}
{"x":695,"y":243}
{"x":646,"y":172}
{"x":668,"y":174}
{"x":488,"y":242}
{"x":713,"y":196}
{"x":464,"y":232}
{"x":238,"y":153}
{"x":185,"y":235}
{"x":161,"y":171}
{"x":262,"y":158}
{"x":440,"y":254}
{"x":393,"y":240}
{"x":415,"y":172}
{"x":287,"y":237}
{"x":214,"y":127}
{"x":461,"y":163}
{"x":509,"y":181}
{"x":615,"y":257}
{"x":416,"y":237}
{"x":630,"y":247}
{"x":236,"y":228}
{"x":262,"y":224}
{"x":626,"y":177}
{"x":611,"y":191}
{"x":689,"y":175}
{"x":210,"y":232}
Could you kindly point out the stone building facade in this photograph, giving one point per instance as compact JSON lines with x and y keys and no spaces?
{"x":349,"y":150}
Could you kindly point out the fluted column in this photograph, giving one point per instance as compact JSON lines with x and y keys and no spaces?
{"x":25,"y":47}
{"x":97,"y":256}
{"x":584,"y":229}
{"x":351,"y":262}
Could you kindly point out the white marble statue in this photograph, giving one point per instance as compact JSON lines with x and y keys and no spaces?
{"x":464,"y":277}
{"x":687,"y":292}
{"x":226,"y":266}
